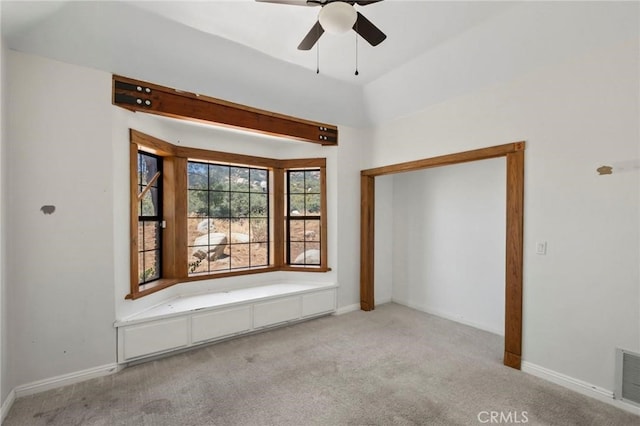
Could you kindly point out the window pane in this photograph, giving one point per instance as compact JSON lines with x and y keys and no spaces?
{"x":259,"y":181}
{"x":218,"y":174}
{"x":305,"y":254}
{"x":151,"y":265}
{"x":197,"y":203}
{"x":312,"y":204}
{"x":296,"y":182}
{"x":259,"y":207}
{"x":140,"y":236}
{"x":239,"y":204}
{"x":151,"y":236}
{"x":296,"y":253}
{"x":141,"y":274}
{"x":296,"y":205}
{"x":197,"y":176}
{"x":148,"y":266}
{"x":240,"y":227}
{"x":141,"y":172}
{"x":221,"y":264}
{"x":140,"y":188}
{"x":240,"y":255}
{"x":312,"y":181}
{"x":260,"y":254}
{"x":312,"y":230}
{"x":149,"y":203}
{"x":240,"y":179}
{"x":218,"y":177}
{"x":312,"y":246}
{"x":296,"y":230}
{"x":312,"y":253}
{"x":219,"y":204}
{"x":198,"y":266}
{"x":259,"y":231}
{"x":147,"y":168}
{"x":239,"y":230}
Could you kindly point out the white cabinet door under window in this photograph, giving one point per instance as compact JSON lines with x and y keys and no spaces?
{"x":276,"y":311}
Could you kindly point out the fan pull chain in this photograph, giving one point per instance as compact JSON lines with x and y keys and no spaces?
{"x":356,"y":28}
{"x":318,"y":51}
{"x":357,"y":50}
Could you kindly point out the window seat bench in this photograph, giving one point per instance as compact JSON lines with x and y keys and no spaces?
{"x":188,"y":321}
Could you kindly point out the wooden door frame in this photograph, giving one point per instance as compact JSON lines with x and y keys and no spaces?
{"x":514,"y":154}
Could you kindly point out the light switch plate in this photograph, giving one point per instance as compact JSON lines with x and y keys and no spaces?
{"x":541,"y":247}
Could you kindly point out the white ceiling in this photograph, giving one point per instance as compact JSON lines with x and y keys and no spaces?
{"x":412,"y":27}
{"x":246,"y":52}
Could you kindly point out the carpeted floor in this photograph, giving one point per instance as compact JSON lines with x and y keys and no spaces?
{"x":392,"y":366}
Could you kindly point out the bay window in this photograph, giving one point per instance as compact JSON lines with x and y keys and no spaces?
{"x":199,"y":214}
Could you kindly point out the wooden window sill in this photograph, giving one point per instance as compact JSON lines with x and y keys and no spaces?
{"x":152,"y":287}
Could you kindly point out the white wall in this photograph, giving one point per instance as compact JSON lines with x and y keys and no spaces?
{"x":449,"y":242}
{"x":581,"y":300}
{"x":4,"y":387}
{"x":60,"y":266}
{"x":68,"y":147}
{"x":350,"y":157}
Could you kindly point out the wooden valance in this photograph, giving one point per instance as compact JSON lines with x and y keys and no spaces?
{"x":136,"y":95}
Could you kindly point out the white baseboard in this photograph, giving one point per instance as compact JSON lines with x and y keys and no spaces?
{"x":347,"y":309}
{"x":356,"y":307}
{"x":65,"y":379}
{"x":6,"y":405}
{"x":577,"y":385}
{"x":446,"y":316}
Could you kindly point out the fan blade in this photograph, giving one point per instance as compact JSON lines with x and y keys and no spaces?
{"x":368,"y":31}
{"x":291,"y":2}
{"x":365,"y":2}
{"x":312,"y":37}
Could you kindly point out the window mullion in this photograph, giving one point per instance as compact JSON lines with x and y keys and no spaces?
{"x":133,"y":219}
{"x":279,"y":217}
{"x":324,"y":262}
{"x":175,"y":216}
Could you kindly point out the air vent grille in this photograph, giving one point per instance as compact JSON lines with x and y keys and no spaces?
{"x":628,"y":377}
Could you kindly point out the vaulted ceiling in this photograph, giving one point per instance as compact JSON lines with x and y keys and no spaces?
{"x":245,"y":51}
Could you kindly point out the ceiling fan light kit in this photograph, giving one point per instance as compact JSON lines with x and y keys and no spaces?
{"x":337,"y":17}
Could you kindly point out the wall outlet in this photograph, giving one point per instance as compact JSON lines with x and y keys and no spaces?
{"x":541,"y":247}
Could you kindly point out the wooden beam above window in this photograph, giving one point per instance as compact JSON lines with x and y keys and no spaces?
{"x":136,"y":95}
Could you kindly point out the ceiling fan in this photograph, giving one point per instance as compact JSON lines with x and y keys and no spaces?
{"x":337,"y":17}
